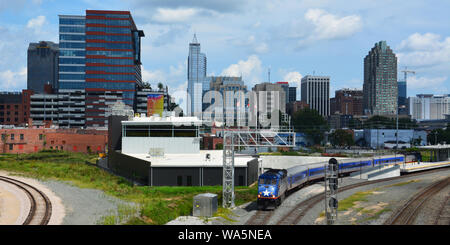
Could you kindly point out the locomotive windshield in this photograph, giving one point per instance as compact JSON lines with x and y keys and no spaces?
{"x":263,"y":181}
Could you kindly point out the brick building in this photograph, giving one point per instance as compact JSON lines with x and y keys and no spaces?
{"x":347,"y":102}
{"x":15,"y":107}
{"x":293,"y":107}
{"x":29,"y":140}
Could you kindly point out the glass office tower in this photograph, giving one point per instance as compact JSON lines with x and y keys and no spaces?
{"x":196,"y":78}
{"x":100,"y":56}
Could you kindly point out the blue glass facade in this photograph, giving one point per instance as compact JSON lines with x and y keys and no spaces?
{"x":100,"y":55}
{"x":72,"y":49}
{"x":196,"y":77}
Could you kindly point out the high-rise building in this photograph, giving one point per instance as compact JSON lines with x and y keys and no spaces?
{"x":285,"y":86}
{"x":429,"y":107}
{"x":292,"y":94}
{"x":196,"y":78}
{"x":315,"y":91}
{"x":270,"y":98}
{"x":380,"y":81}
{"x":402,"y":98}
{"x":348,"y":102}
{"x":42,"y":67}
{"x":100,"y":57}
{"x":234,"y":97}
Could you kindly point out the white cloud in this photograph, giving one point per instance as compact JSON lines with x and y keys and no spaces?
{"x":435,"y":84}
{"x":13,"y":80}
{"x":250,"y":70}
{"x":37,"y":22}
{"x":293,"y":77}
{"x":424,"y":50}
{"x":327,"y":26}
{"x":417,"y":41}
{"x":255,"y":45}
{"x":174,"y":15}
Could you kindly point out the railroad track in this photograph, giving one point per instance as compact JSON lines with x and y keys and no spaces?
{"x":41,"y":207}
{"x":294,"y":216}
{"x":260,"y":218}
{"x":444,"y":213}
{"x":408,"y":212}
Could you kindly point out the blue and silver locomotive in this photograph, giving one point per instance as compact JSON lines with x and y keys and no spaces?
{"x":274,"y":184}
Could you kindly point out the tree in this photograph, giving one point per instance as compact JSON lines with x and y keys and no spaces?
{"x":160,"y":86}
{"x":439,"y":136}
{"x":311,"y":123}
{"x":341,"y":137}
{"x":380,"y":122}
{"x":355,"y":123}
{"x":146,"y":85}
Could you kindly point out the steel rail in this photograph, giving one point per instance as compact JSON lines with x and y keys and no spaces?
{"x":41,"y":207}
{"x":406,"y":214}
{"x":299,"y":211}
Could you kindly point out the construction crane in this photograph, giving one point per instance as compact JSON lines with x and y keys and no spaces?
{"x":406,"y":72}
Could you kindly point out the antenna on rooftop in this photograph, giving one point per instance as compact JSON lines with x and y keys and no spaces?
{"x":194,"y":40}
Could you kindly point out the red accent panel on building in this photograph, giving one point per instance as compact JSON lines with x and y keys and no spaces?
{"x":104,"y":49}
{"x":106,"y":26}
{"x":105,"y":34}
{"x":106,"y":57}
{"x":109,"y":81}
{"x":109,"y":73}
{"x":102,"y":89}
{"x":107,"y":65}
{"x":106,"y":12}
{"x":104,"y":41}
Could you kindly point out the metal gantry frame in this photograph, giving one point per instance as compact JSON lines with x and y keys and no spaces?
{"x":248,"y":138}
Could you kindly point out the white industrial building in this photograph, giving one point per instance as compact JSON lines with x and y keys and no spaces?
{"x":165,"y":151}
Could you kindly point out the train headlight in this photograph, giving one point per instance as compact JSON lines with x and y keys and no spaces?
{"x":273,"y":196}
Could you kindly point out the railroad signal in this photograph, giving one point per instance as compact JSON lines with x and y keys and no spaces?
{"x":333,"y":203}
{"x":331,"y":181}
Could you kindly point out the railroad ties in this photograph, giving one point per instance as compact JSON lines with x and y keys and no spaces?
{"x":260,"y":218}
{"x":41,"y":207}
{"x":407,"y":213}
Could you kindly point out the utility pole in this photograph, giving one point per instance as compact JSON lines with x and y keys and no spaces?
{"x":396,"y":134}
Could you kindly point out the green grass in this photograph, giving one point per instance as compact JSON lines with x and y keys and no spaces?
{"x":154,"y":205}
{"x":350,"y":201}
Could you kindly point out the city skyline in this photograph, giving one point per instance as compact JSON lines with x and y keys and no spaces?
{"x":300,"y":38}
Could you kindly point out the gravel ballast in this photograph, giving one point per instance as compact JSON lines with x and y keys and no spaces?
{"x":84,"y":206}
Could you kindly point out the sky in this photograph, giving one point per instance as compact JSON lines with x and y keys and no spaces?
{"x":291,"y":38}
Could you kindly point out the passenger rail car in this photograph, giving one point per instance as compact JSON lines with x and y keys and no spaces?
{"x":274,"y":184}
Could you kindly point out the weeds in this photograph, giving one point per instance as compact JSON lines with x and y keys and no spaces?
{"x":154,"y":205}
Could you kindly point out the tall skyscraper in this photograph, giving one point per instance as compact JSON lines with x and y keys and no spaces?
{"x":100,"y":57}
{"x":196,"y":78}
{"x":42,"y":66}
{"x":315,"y":91}
{"x":380,"y":81}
